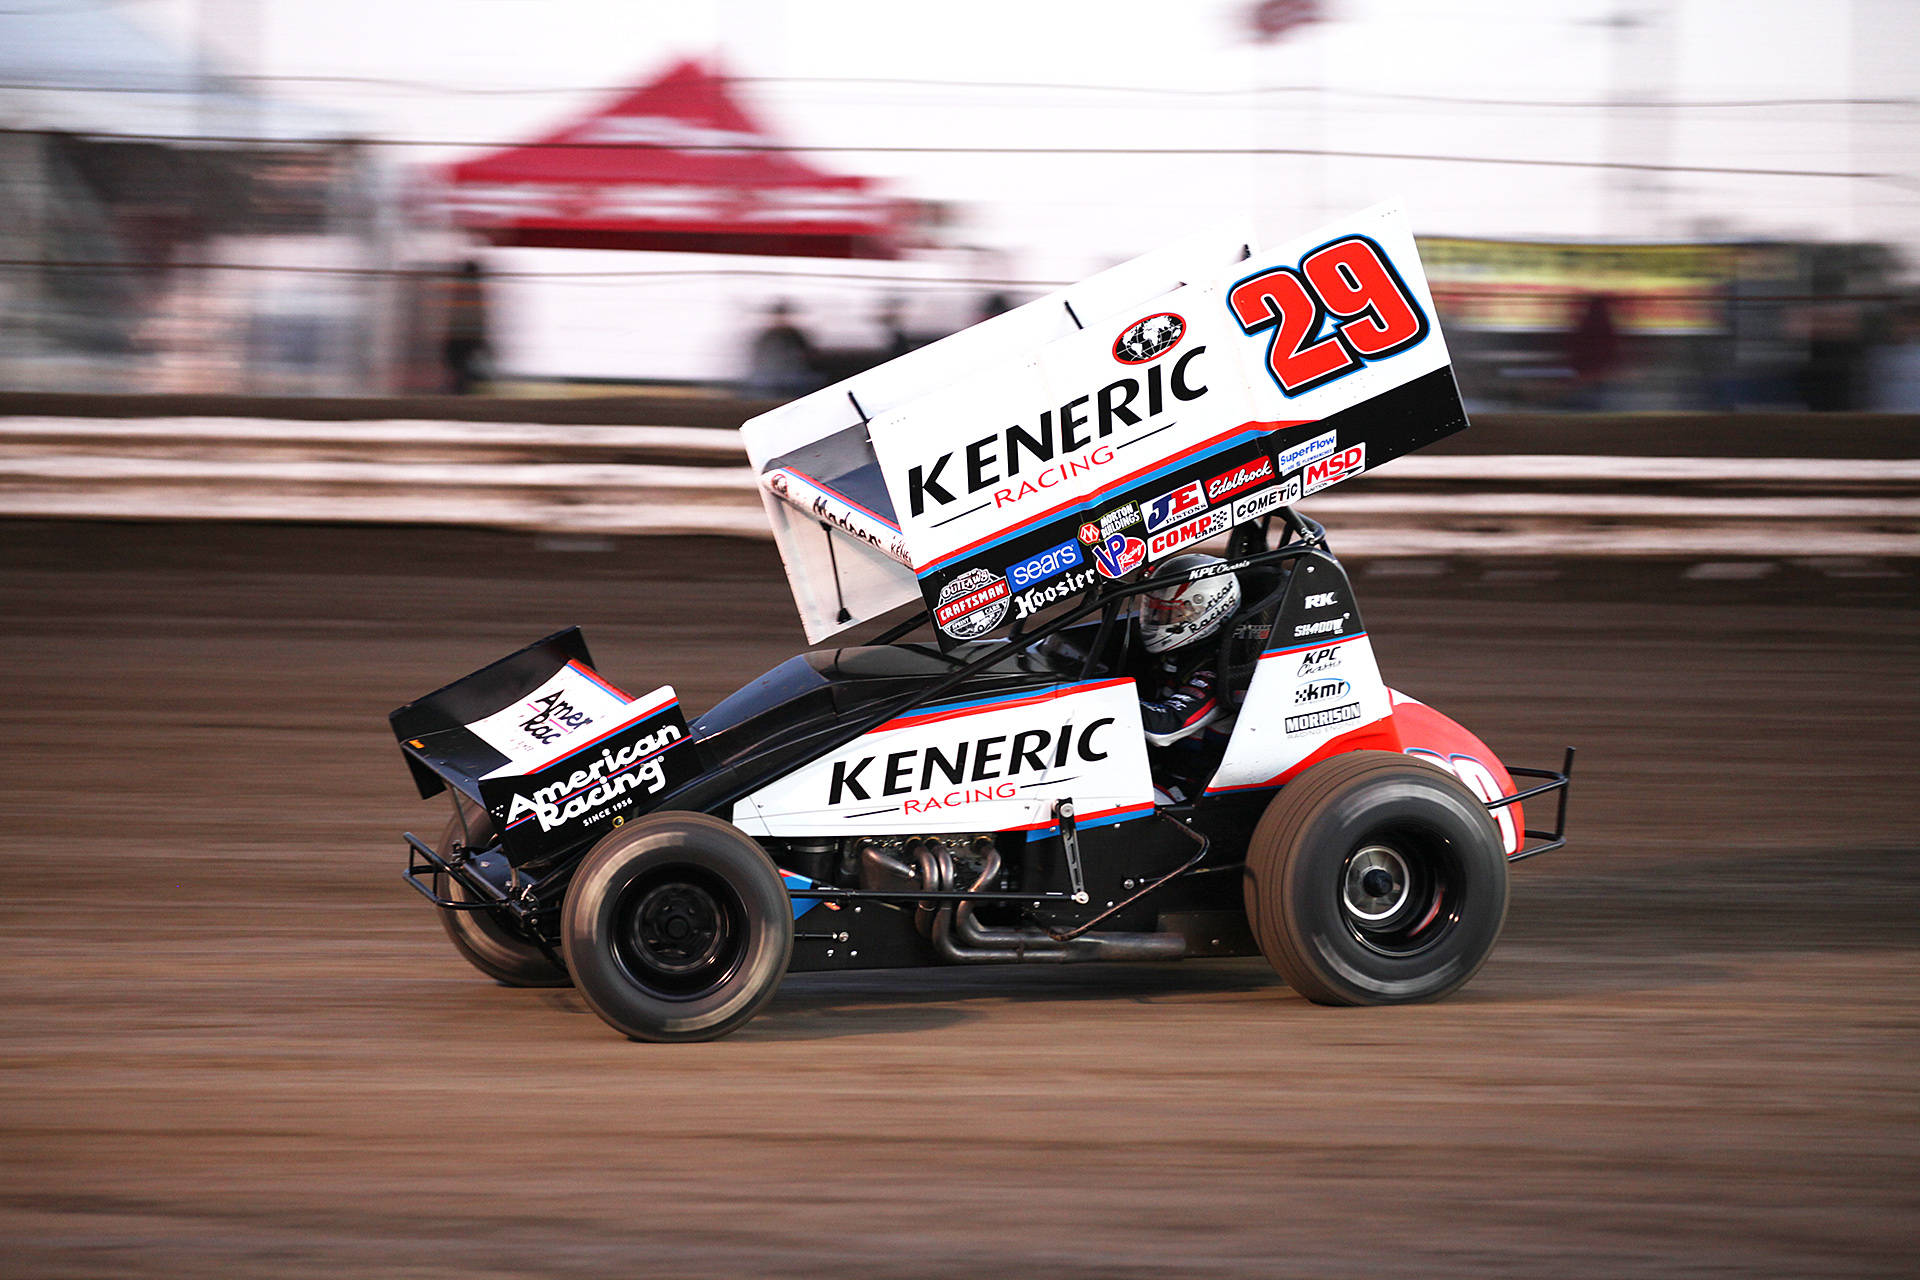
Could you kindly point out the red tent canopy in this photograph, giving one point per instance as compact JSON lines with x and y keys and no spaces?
{"x":675,"y":165}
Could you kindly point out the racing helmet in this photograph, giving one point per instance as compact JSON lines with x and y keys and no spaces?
{"x":1184,"y":613}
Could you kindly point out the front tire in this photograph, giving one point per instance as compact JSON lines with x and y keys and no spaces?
{"x":1376,"y":879}
{"x":677,"y":927}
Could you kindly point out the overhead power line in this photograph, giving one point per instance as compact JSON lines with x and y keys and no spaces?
{"x":928,"y":149}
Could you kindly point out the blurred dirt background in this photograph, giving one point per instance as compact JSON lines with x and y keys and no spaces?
{"x":234,"y":1043}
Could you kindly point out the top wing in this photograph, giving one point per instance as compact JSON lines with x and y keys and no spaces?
{"x":1111,"y":426}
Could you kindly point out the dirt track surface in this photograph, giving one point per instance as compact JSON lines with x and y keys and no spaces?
{"x":233,"y":1043}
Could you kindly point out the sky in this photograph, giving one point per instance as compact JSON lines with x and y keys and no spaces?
{"x":1381,"y":76}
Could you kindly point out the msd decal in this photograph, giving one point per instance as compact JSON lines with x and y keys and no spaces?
{"x":1335,"y":467}
{"x":1187,"y":500}
{"x":993,"y":765}
{"x":1150,"y":338}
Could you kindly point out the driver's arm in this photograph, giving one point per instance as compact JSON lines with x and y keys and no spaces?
{"x":1186,"y":711}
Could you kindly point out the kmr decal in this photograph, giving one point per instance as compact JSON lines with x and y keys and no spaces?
{"x":1321,"y":691}
{"x":1187,"y":500}
{"x":972,"y":604}
{"x":1050,"y":563}
{"x":1335,"y":468}
{"x":1148,"y":338}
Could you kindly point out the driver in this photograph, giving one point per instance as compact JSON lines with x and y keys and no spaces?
{"x":1180,"y":630}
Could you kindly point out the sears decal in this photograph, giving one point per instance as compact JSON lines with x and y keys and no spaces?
{"x":974,"y":603}
{"x":1150,"y":338}
{"x":1024,"y":460}
{"x":1244,"y":476}
{"x":1179,"y":504}
{"x":1335,"y":467}
{"x":1050,"y":563}
{"x":1168,"y":541}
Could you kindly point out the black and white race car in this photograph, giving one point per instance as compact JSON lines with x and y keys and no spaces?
{"x":975,"y":784}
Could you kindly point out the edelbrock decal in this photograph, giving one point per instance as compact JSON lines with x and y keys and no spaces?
{"x":973,"y":604}
{"x":1244,"y":476}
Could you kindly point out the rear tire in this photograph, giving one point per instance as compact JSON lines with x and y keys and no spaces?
{"x":677,"y":927}
{"x":488,"y":945}
{"x":1374,"y":878}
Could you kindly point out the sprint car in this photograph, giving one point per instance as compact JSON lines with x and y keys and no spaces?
{"x":972,"y":785}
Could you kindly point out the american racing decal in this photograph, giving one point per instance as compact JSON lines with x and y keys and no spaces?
{"x":998,"y":764}
{"x":597,"y":783}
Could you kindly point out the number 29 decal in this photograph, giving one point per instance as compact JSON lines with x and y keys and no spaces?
{"x":1351,"y":279}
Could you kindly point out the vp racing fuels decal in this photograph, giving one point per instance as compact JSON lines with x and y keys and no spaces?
{"x":995,"y":764}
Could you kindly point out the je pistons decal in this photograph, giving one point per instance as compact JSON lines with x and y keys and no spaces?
{"x":1148,"y":338}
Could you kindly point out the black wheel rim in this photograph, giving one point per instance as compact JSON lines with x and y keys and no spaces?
{"x":680,"y":932}
{"x":1399,"y":890}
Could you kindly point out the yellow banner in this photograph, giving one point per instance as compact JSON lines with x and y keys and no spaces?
{"x":1516,"y":285}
